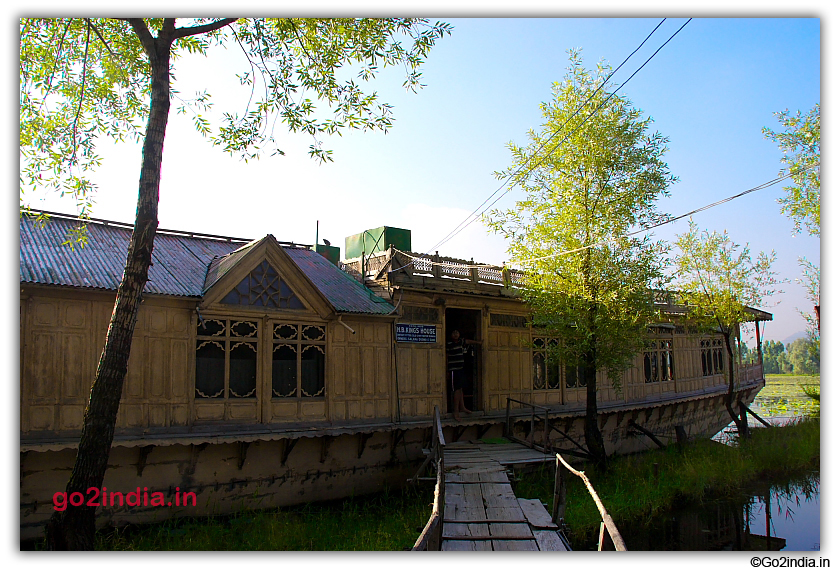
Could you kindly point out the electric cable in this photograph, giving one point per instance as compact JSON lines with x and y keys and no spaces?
{"x":544,"y":143}
{"x":670,"y":220}
{"x":475,"y":217}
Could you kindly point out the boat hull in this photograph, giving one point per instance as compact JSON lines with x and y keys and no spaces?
{"x":221,"y":478}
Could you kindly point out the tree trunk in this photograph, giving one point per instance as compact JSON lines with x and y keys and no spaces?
{"x":591,"y":432}
{"x":74,"y":528}
{"x":740,"y":422}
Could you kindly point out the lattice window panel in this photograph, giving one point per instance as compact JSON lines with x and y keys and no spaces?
{"x":263,"y":287}
{"x":226,"y":359}
{"x":298,"y":360}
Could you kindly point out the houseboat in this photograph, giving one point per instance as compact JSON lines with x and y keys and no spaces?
{"x":266,"y":373}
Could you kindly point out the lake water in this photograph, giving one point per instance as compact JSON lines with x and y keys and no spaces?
{"x":791,"y":523}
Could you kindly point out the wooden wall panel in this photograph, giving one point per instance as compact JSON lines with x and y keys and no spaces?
{"x":157,"y":353}
{"x":383,"y":371}
{"x":368,"y":369}
{"x":61,"y":342}
{"x":74,"y":369}
{"x":179,"y":375}
{"x":338,"y":367}
{"x":361,"y":371}
{"x":44,"y":362}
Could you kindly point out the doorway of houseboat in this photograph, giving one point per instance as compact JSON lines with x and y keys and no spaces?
{"x":468,"y":323}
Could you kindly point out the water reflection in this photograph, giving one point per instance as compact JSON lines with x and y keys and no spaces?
{"x":790,"y":523}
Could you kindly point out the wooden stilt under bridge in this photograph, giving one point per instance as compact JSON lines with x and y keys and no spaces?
{"x":481,"y":510}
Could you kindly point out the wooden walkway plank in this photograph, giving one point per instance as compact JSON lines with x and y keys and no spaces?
{"x":482,"y":511}
{"x":536,"y":514}
{"x":549,"y":540}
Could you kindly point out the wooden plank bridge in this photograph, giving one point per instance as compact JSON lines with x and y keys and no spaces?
{"x":481,"y":510}
{"x":475,"y":507}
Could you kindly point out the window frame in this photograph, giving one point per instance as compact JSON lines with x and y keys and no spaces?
{"x":711,"y":356}
{"x":228,"y":341}
{"x":300,"y":344}
{"x":540,"y":360}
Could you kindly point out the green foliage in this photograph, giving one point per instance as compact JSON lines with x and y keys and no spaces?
{"x":803,"y":357}
{"x":811,"y":281}
{"x":84,"y":78}
{"x":386,"y":521}
{"x":719,"y":280}
{"x":588,"y":183}
{"x":775,"y":358}
{"x":800,"y":142}
{"x":642,"y":486}
{"x":811,"y":390}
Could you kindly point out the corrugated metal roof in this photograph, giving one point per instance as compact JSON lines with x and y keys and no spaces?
{"x":219,"y":266}
{"x":344,"y":293}
{"x":180,"y":263}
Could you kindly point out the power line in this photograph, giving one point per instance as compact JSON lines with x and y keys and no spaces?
{"x":670,"y":220}
{"x":467,"y":220}
{"x":474,"y":217}
{"x":604,"y":242}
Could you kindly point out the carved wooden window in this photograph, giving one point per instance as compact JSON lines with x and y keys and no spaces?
{"x":508,"y":321}
{"x":263,"y":287}
{"x":711,"y":356}
{"x":298,"y":360}
{"x":415,"y":314}
{"x":659,"y":360}
{"x":226,"y":358}
{"x":575,"y":377}
{"x":545,"y":369}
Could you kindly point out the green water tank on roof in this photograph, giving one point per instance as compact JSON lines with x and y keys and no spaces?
{"x":330,"y":252}
{"x":375,"y":240}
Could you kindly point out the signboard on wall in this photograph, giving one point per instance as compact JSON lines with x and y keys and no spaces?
{"x":408,"y":332}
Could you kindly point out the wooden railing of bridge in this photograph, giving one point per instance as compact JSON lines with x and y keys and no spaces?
{"x":548,"y":427}
{"x":432,"y":535}
{"x":558,"y":511}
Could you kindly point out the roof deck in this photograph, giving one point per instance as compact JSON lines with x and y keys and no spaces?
{"x":393,"y":267}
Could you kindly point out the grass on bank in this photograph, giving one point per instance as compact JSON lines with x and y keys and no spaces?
{"x":643,"y":486}
{"x":634,"y":488}
{"x":385,"y":521}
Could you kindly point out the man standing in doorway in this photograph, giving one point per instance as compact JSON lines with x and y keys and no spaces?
{"x":455,"y":370}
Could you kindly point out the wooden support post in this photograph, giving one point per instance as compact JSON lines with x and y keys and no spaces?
{"x":195,"y":451}
{"x":744,"y":409}
{"x":396,"y":438}
{"x":242,"y":452}
{"x":363,"y":437}
{"x":459,"y":431}
{"x":601,"y":537}
{"x":507,"y":420}
{"x":558,"y":509}
{"x":759,"y":418}
{"x":325,"y":446}
{"x":682,"y":437}
{"x":530,"y":437}
{"x":647,"y":433}
{"x":141,"y":458}
{"x":482,"y":430}
{"x":546,"y":443}
{"x":288,"y":446}
{"x":531,"y":430}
